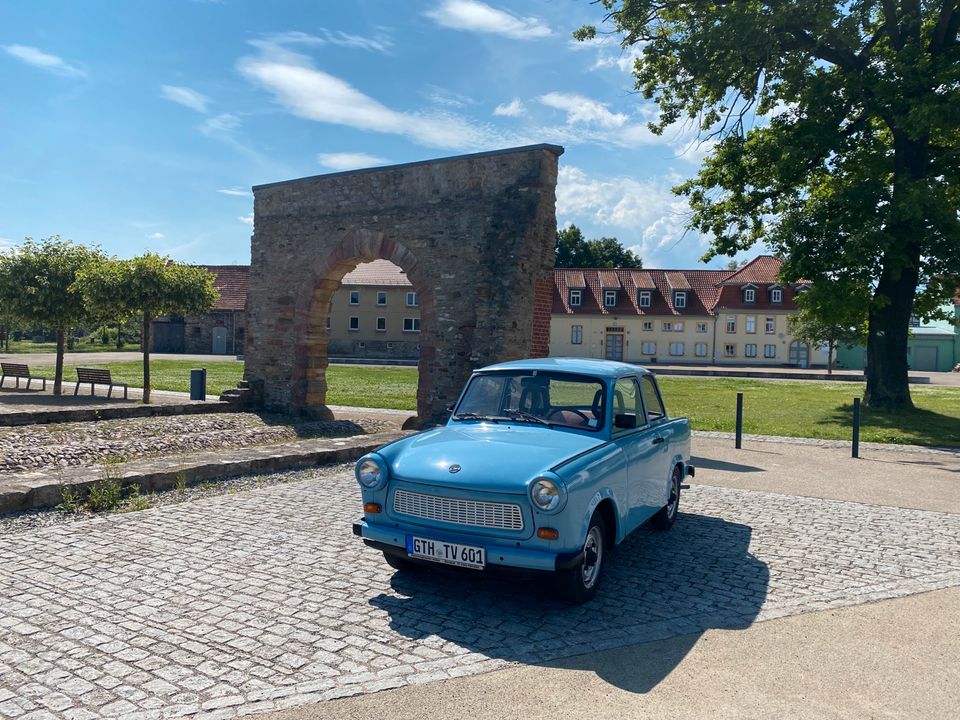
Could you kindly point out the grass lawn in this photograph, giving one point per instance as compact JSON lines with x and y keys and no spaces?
{"x":25,"y":346}
{"x":770,"y":407}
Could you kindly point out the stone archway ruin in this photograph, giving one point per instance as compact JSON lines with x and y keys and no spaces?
{"x":474,"y":233}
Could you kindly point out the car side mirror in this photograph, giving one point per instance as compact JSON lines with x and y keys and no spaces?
{"x":626,"y":421}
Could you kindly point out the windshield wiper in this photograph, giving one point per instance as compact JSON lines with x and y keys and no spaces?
{"x":525,"y":416}
{"x":478,"y":416}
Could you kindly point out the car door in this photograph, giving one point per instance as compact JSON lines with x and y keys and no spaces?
{"x":658,"y":465}
{"x":639,"y":449}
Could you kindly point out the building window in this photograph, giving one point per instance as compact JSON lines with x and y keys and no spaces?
{"x":776,"y":295}
{"x":576,"y":334}
{"x":749,"y":295}
{"x":411,"y":299}
{"x":770,"y":326}
{"x":648,"y":325}
{"x":328,"y":322}
{"x":644,"y":298}
{"x":354,"y":297}
{"x":729,"y":350}
{"x":668,"y":327}
{"x":679,"y":300}
{"x":576,"y":298}
{"x":914,"y":321}
{"x":700,"y":349}
{"x":354,"y":323}
{"x":750,"y":350}
{"x":731,"y":323}
{"x":381,"y":324}
{"x":678,"y":326}
{"x":381,"y":297}
{"x":676,"y":349}
{"x":701,"y":327}
{"x":610,"y":298}
{"x":649,"y":348}
{"x":411,"y":324}
{"x":769,"y":351}
{"x":751,"y":324}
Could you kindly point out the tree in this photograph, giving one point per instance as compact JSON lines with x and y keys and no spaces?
{"x":852,"y":171}
{"x":149,"y":286}
{"x":831,"y":314}
{"x":37,"y":288}
{"x":575,"y":251}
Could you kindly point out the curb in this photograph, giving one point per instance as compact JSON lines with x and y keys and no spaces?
{"x":92,"y":414}
{"x":43,"y":489}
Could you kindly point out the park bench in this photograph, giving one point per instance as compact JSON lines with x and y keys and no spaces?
{"x":96,"y":376}
{"x":18,"y":370}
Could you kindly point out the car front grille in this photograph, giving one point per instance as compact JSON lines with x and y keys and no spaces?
{"x":476,"y":513}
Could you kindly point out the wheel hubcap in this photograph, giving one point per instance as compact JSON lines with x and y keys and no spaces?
{"x":592,"y":557}
{"x":674,"y":497}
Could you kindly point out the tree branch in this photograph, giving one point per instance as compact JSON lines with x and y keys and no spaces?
{"x":890,"y":21}
{"x":945,"y":31}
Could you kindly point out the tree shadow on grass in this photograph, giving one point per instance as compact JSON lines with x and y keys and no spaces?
{"x":916,"y":426}
{"x":678,"y":584}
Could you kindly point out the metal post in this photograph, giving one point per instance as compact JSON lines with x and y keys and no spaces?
{"x":856,"y":427}
{"x":739,"y":420}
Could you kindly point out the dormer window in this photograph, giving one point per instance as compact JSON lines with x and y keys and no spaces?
{"x":610,"y":298}
{"x":680,"y":300}
{"x":776,"y":295}
{"x":576,"y":298}
{"x":643,"y":298}
{"x":749,"y":295}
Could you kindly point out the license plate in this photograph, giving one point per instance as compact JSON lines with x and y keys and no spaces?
{"x":446,"y":552}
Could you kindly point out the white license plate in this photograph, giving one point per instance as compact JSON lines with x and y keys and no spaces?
{"x":446,"y":552}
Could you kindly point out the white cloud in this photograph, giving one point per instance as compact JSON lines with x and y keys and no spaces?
{"x":246,"y":219}
{"x":220,"y":125}
{"x":475,"y":16}
{"x":514,"y":108}
{"x":624,"y":61}
{"x":45,"y":61}
{"x":155,"y":236}
{"x":349,"y":161}
{"x":380,"y":42}
{"x":316,"y":95}
{"x":185,"y":96}
{"x":583,"y":110}
{"x":6,"y":245}
{"x":235,"y":191}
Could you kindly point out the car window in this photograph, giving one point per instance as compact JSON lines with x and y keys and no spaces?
{"x":626,"y":401}
{"x":651,"y":399}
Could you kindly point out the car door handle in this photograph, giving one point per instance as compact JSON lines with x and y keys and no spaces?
{"x":658,"y":440}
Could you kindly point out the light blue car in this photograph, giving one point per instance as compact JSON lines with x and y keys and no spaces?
{"x":544,"y":465}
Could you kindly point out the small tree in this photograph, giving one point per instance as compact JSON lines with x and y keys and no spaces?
{"x":573,"y":250}
{"x":831,"y":314}
{"x":149,"y":286}
{"x":37,"y":287}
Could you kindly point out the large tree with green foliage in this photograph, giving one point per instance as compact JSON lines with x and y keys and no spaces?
{"x":37,"y":287}
{"x":837,"y":131}
{"x":573,"y":250}
{"x":832,"y":314}
{"x":149,"y":286}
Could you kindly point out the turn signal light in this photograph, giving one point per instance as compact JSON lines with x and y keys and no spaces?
{"x":372,"y":508}
{"x":548,"y":533}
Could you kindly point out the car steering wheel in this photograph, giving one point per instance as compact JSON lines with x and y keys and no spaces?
{"x":586,"y":420}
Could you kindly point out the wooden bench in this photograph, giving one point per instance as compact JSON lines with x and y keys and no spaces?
{"x":18,"y":370}
{"x":96,"y":376}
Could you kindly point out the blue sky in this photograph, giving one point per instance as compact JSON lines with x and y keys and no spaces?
{"x":142,"y":125}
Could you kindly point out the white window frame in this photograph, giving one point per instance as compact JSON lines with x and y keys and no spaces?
{"x":700,"y":349}
{"x":680,"y":299}
{"x":750,"y":350}
{"x":644,"y":298}
{"x":731,"y":324}
{"x":381,"y":297}
{"x":414,"y":325}
{"x":732,"y":347}
{"x":701,"y":327}
{"x":667,"y":327}
{"x":770,"y":326}
{"x":576,"y":298}
{"x":353,"y":324}
{"x":411,"y":299}
{"x":749,"y":295}
{"x":678,"y":326}
{"x":381,"y":321}
{"x":609,"y":298}
{"x":576,"y":334}
{"x":776,"y":295}
{"x":677,"y":349}
{"x":648,"y":348}
{"x":751,"y":324}
{"x":647,"y":325}
{"x":770,"y":351}
{"x":354,"y":297}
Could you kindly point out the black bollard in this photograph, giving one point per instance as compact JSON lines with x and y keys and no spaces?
{"x":739,"y":420}
{"x":856,"y":427}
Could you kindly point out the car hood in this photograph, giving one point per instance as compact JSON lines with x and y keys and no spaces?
{"x":492,"y":457}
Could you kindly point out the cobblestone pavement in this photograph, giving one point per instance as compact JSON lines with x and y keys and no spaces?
{"x":264,"y":599}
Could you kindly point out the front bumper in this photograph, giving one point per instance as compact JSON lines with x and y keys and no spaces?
{"x":394,"y":540}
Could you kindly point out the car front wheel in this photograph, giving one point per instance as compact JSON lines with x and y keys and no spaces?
{"x":579,"y":584}
{"x":397,"y":562}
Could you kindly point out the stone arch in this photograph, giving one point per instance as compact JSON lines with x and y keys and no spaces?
{"x":474,"y":233}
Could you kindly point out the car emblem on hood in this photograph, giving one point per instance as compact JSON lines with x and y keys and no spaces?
{"x":454,"y":468}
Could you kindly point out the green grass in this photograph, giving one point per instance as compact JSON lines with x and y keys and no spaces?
{"x":25,"y":346}
{"x":794,"y":409}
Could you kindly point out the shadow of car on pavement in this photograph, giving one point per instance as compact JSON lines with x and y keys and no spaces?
{"x":675,"y":584}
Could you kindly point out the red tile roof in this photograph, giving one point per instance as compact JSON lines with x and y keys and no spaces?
{"x":231,"y":281}
{"x":676,"y":280}
{"x":608,"y":279}
{"x":376,"y":272}
{"x":762,"y":270}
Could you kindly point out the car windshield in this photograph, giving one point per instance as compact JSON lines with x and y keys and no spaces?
{"x":541,"y":398}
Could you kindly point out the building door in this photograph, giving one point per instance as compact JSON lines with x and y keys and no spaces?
{"x":167,"y":336}
{"x":799,"y":354}
{"x":220,"y":340}
{"x":924,"y":358}
{"x":614,"y":343}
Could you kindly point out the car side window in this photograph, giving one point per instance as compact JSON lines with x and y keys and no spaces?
{"x":651,"y":399}
{"x":626,"y":401}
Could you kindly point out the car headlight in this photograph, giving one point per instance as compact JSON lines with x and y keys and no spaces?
{"x":545,"y":494}
{"x":370,"y":473}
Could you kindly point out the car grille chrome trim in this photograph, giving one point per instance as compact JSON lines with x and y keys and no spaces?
{"x":476,"y":513}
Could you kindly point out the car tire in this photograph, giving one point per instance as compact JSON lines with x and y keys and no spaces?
{"x":398,"y":563}
{"x":667,"y":515}
{"x":579,"y":584}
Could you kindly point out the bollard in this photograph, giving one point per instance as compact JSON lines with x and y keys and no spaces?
{"x":198,"y":384}
{"x":739,"y":420}
{"x":856,"y":427}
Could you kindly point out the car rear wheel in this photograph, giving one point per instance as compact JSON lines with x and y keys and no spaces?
{"x":579,"y":584}
{"x":667,"y":515}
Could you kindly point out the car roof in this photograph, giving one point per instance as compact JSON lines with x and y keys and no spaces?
{"x":581,"y":366}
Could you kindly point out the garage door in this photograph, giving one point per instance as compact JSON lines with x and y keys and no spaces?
{"x":924,"y":358}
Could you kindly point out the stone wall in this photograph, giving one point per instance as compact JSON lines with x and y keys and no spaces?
{"x":475,"y":235}
{"x":199,"y":332}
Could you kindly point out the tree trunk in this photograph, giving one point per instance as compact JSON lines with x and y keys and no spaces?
{"x":145,"y":335}
{"x":119,"y":336}
{"x":58,"y":373}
